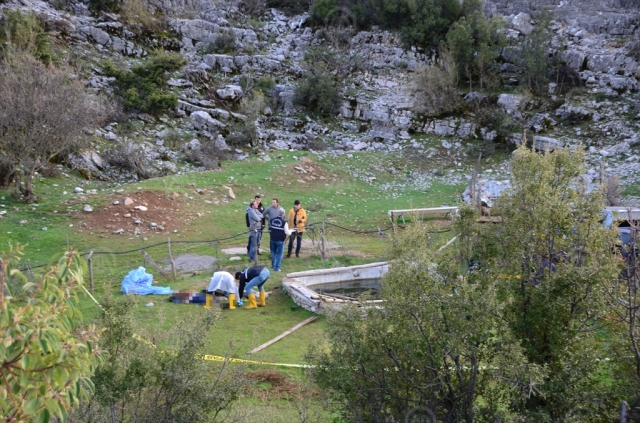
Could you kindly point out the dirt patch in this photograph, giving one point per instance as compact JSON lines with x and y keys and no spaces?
{"x":149,"y":212}
{"x":273,"y":383}
{"x":306,"y":172}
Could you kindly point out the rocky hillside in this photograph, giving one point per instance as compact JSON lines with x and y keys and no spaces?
{"x":380,"y":108}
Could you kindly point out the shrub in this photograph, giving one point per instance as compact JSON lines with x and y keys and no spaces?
{"x":21,"y":32}
{"x":566,"y":78}
{"x":132,"y":157}
{"x":500,"y":121}
{"x":317,"y":93}
{"x":144,"y":87}
{"x":265,"y":84}
{"x":437,"y":88}
{"x":141,"y":13}
{"x":534,"y":58}
{"x":421,"y":22}
{"x":209,"y":155}
{"x":246,"y":133}
{"x":252,"y":7}
{"x":105,"y":5}
{"x":321,"y":11}
{"x":290,"y":7}
{"x":225,"y":42}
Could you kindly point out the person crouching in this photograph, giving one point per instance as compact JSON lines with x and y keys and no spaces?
{"x":251,"y":277}
{"x":223,"y":283}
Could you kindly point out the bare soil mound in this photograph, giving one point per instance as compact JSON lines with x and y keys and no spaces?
{"x":148,"y":212}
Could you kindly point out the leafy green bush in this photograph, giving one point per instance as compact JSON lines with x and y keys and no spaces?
{"x":421,"y":22}
{"x":265,"y":84}
{"x":317,"y":93}
{"x":500,"y":121}
{"x":47,"y":355}
{"x":475,"y":44}
{"x":534,"y":60}
{"x":21,"y":32}
{"x":144,"y":87}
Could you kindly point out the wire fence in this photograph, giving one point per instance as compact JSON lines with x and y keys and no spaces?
{"x":172,"y":257}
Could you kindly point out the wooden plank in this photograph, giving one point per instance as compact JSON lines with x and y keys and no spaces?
{"x":283,"y":334}
{"x":426,"y":211}
{"x":151,"y":261}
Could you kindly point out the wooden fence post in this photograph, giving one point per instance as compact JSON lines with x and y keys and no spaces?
{"x":151,"y":261}
{"x":144,"y":255}
{"x":90,"y":263}
{"x":322,"y":250}
{"x":173,"y":264}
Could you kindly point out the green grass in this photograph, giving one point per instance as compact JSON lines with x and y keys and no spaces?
{"x":343,"y":193}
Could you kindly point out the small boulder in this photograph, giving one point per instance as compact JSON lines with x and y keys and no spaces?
{"x":230,"y":92}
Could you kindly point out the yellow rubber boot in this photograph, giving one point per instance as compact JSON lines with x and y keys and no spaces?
{"x":208,"y":301}
{"x":232,"y":300}
{"x":252,"y":301}
{"x":263,"y":299}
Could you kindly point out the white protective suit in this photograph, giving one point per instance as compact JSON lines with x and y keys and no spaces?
{"x":223,"y":282}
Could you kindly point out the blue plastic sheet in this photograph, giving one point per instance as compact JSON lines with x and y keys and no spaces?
{"x":139,"y":282}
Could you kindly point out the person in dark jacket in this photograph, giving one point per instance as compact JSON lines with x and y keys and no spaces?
{"x":251,"y":277}
{"x":278,"y":231}
{"x":260,"y":208}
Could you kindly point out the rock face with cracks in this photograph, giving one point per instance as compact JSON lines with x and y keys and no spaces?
{"x":380,"y":107}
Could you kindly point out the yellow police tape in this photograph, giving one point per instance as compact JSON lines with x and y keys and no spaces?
{"x":209,"y":357}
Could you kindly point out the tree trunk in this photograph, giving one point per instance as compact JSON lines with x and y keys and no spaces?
{"x":27,"y":191}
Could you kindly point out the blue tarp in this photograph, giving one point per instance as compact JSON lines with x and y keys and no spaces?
{"x":139,"y":282}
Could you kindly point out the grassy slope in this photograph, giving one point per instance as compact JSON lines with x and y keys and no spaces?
{"x":346,"y":200}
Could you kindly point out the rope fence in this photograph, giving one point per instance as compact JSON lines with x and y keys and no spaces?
{"x":103,"y":263}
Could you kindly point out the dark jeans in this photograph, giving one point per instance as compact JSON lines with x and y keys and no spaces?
{"x":298,"y":236}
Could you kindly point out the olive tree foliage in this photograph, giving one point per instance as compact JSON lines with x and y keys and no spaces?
{"x":46,"y":356}
{"x":623,"y":295}
{"x":511,"y":321}
{"x":434,"y":348}
{"x":43,"y":113}
{"x":553,"y":259}
{"x":143,"y":382}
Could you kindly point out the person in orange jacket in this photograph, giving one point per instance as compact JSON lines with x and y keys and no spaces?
{"x":296,"y":219}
